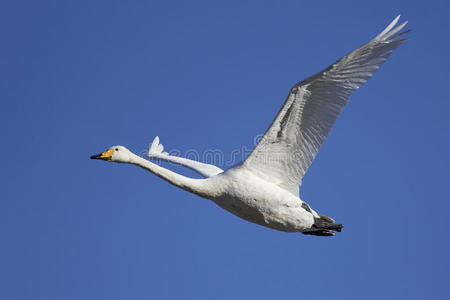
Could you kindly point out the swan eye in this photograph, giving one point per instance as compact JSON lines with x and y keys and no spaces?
{"x":117,"y":149}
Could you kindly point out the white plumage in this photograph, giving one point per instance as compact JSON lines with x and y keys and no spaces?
{"x":264,"y":189}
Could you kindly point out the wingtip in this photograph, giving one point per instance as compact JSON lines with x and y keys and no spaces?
{"x":397,"y":18}
{"x":153,"y":146}
{"x":391,"y":29}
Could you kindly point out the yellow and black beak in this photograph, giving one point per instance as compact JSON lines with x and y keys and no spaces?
{"x":104,"y":155}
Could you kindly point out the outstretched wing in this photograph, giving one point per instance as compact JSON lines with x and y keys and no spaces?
{"x":289,"y":146}
{"x":156,"y":152}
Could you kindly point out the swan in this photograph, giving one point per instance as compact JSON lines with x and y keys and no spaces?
{"x":264,"y":188}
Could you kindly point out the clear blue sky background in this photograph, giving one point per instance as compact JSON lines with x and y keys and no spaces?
{"x":80,"y":76}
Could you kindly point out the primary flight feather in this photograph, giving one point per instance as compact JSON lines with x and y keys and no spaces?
{"x":264,"y":189}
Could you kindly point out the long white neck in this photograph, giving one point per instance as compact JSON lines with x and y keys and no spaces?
{"x":196,"y":186}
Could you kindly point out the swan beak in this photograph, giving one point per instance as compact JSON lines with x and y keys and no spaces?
{"x":104,"y":155}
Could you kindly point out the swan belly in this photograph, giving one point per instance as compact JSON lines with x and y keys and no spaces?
{"x":263,"y":203}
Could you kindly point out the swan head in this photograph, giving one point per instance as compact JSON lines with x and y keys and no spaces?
{"x":118,"y":154}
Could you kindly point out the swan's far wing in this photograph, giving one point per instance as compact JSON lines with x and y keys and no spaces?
{"x":156,"y":152}
{"x":289,"y":146}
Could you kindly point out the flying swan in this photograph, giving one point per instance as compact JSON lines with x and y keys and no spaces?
{"x":264,"y":189}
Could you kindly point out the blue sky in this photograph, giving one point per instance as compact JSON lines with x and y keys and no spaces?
{"x":80,"y":76}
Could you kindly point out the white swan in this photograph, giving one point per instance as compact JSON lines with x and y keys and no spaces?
{"x":264,"y":189}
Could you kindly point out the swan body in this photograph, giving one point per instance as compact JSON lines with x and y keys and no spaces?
{"x":246,"y":195}
{"x":264,"y":189}
{"x":254,"y":199}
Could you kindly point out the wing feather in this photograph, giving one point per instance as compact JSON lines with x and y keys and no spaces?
{"x":292,"y":141}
